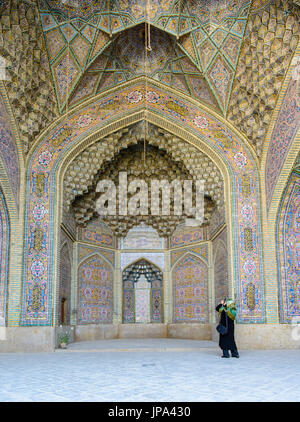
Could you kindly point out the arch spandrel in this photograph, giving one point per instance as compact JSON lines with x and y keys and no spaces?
{"x":177,"y":114}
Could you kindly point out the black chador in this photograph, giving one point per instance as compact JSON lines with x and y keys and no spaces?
{"x":226,"y":341}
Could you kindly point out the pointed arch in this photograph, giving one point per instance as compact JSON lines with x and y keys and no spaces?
{"x":143,"y":258}
{"x":184,"y":254}
{"x":182,"y":117}
{"x":141,"y":304}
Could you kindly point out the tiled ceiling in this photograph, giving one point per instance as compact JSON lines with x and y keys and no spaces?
{"x":231,"y":55}
{"x":203,"y":39}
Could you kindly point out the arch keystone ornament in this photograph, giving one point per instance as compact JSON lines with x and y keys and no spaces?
{"x":175,"y":113}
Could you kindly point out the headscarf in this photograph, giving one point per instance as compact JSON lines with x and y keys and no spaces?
{"x":230,"y":307}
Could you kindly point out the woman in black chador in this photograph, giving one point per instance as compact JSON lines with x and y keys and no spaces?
{"x":227,"y":310}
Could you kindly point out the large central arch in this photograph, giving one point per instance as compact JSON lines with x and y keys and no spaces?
{"x":179,"y":115}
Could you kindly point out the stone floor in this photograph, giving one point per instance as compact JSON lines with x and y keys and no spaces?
{"x":149,"y":370}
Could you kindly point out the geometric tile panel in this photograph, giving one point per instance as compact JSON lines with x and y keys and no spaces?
{"x":187,"y":235}
{"x":218,"y":36}
{"x":87,"y":250}
{"x":200,"y":90}
{"x":61,"y":31}
{"x":207,"y":51}
{"x":238,"y":27}
{"x":66,"y":72}
{"x":176,"y":255}
{"x":231,"y":48}
{"x":188,"y":45}
{"x":98,"y":233}
{"x":125,"y":60}
{"x":89,"y":32}
{"x":69,"y":31}
{"x":85,"y":88}
{"x":55,"y":43}
{"x":202,"y":31}
{"x":48,"y":21}
{"x":175,"y":17}
{"x":220,"y":76}
{"x":95,"y":291}
{"x":101,"y":41}
{"x":80,"y":48}
{"x":199,"y":250}
{"x":190,"y":290}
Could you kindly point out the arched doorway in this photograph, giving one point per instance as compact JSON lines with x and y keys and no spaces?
{"x":142,"y":293}
{"x":230,"y":153}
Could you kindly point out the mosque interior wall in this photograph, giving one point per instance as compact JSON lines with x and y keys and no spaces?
{"x":218,"y":101}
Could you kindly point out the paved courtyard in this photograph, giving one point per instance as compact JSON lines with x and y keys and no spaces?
{"x":149,"y":370}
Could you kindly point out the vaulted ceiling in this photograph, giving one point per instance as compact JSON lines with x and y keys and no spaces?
{"x":231,"y":55}
{"x":195,"y":45}
{"x":165,"y":157}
